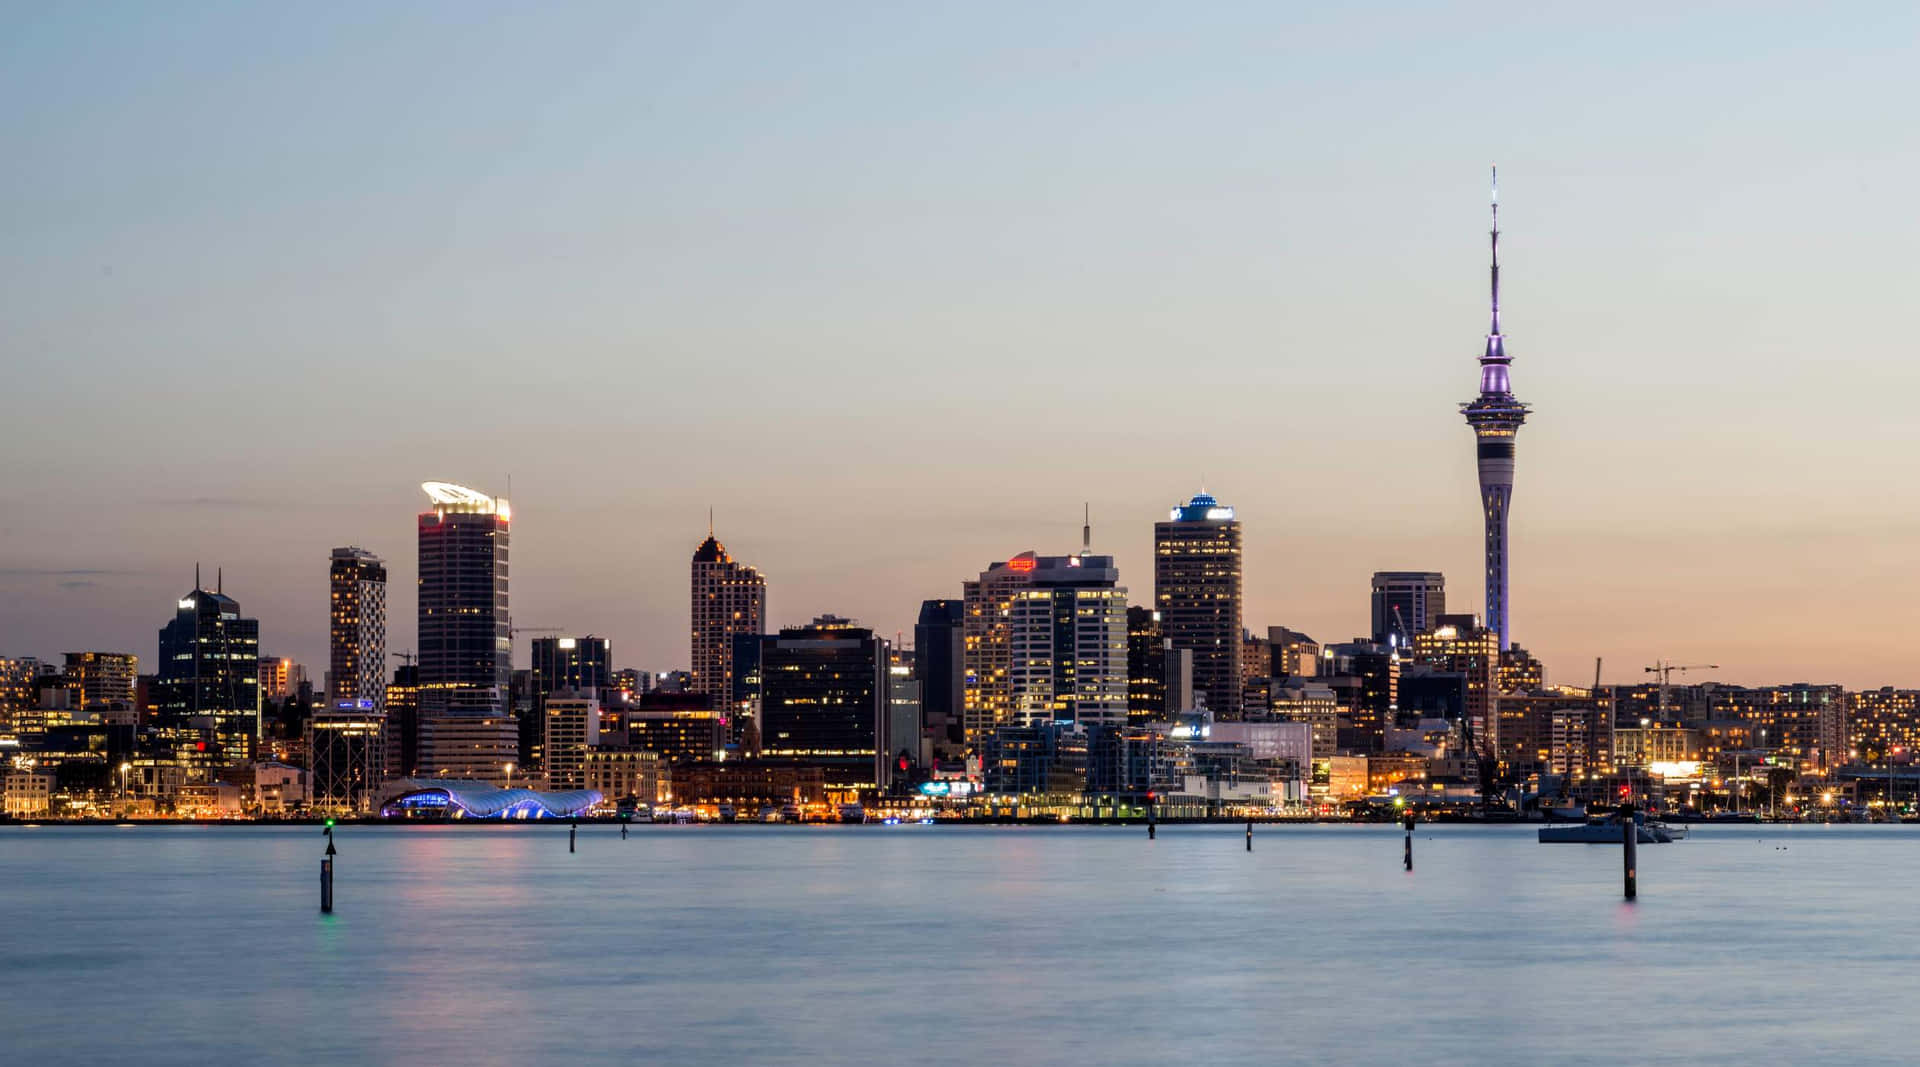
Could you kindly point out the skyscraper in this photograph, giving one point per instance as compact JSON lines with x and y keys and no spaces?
{"x":939,"y":663}
{"x":728,"y":599}
{"x":987,"y":649}
{"x":1459,"y":644}
{"x":576,"y":663}
{"x":357,"y":630}
{"x":1495,"y":417}
{"x":466,"y":644}
{"x":1405,"y":603}
{"x":1146,"y":666}
{"x":1196,"y":587}
{"x":1068,"y":642}
{"x":207,"y":680}
{"x":824,"y":701}
{"x":102,"y":678}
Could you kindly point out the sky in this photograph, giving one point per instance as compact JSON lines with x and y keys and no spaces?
{"x":894,"y":289}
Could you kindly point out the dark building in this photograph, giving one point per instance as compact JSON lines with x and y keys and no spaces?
{"x":939,"y":649}
{"x":1197,"y":589}
{"x":741,"y":720}
{"x":466,"y":644}
{"x":680,"y":727}
{"x":1372,"y":700}
{"x":207,"y":681}
{"x":575,"y":663}
{"x":403,"y":721}
{"x":1146,"y":666}
{"x":823,"y":701}
{"x":1431,"y":693}
{"x":1040,"y":759}
{"x":1406,"y":602}
{"x":748,"y":785}
{"x":356,"y":629}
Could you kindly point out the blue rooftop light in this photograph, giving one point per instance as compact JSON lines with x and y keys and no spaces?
{"x":1202,"y":508}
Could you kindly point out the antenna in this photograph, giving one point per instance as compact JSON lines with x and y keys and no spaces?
{"x":220,"y":580}
{"x":1495,"y":199}
{"x":1086,"y":530}
{"x":196,"y":577}
{"x":709,"y":520}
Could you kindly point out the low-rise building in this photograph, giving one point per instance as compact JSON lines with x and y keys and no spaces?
{"x":626,"y":775}
{"x":28,"y":794}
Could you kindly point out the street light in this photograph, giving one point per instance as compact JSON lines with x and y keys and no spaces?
{"x":509,"y":769}
{"x":124,"y":768}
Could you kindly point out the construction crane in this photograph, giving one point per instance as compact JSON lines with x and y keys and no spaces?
{"x":404,"y":657}
{"x":512,"y":630}
{"x":1666,"y":668}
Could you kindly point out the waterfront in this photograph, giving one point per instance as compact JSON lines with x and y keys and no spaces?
{"x":747,"y":944}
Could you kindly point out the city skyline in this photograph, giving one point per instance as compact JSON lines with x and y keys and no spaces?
{"x":1148,"y":232}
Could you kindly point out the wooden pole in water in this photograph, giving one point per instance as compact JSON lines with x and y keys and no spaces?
{"x":1409,"y":855}
{"x":326,"y":874}
{"x":1249,"y":835}
{"x":1149,"y":816}
{"x":571,"y":831}
{"x":1629,"y":845}
{"x":623,"y":826}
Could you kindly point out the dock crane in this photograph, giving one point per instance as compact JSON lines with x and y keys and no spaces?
{"x":1666,"y":668}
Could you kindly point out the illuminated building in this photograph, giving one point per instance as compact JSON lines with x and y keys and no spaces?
{"x":1460,"y":645}
{"x":207,"y":681}
{"x":422,"y":798}
{"x":17,"y":690}
{"x":1067,"y":634}
{"x":823,"y":701}
{"x":1644,"y":746}
{"x":1042,"y":759}
{"x":1496,"y":417}
{"x":1256,"y":670}
{"x":1313,"y":704}
{"x":1196,"y":588}
{"x":102,"y":678}
{"x":939,"y":662}
{"x":630,"y":775}
{"x":748,"y":785}
{"x":1406,"y":602}
{"x":1295,"y":655}
{"x":276,"y":678}
{"x":729,"y":599}
{"x":1373,"y":695}
{"x":28,"y":793}
{"x":1520,"y":672}
{"x":681,"y":727}
{"x":572,"y":729}
{"x":1146,"y":667}
{"x":1554,"y":731}
{"x":1884,"y":720}
{"x":357,"y":629}
{"x":466,"y":645}
{"x":579,"y":664}
{"x":403,"y":721}
{"x":347,"y":758}
{"x":987,"y":648}
{"x":1800,"y":723}
{"x":906,"y":717}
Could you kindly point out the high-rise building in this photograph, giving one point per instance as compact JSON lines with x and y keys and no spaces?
{"x":987,"y":649}
{"x":1496,"y":416}
{"x":1196,"y":587}
{"x":1068,"y":641}
{"x":1458,"y":644}
{"x":99,"y":679}
{"x":277,"y":677}
{"x":728,"y":599}
{"x":207,"y":681}
{"x":572,"y":720}
{"x":357,"y":630}
{"x":403,"y":721}
{"x":576,"y":663}
{"x":1295,"y":655}
{"x":939,"y":663}
{"x":1146,"y":666}
{"x":823,"y":701}
{"x":466,"y":643}
{"x":1406,"y":602}
{"x":1375,"y":694}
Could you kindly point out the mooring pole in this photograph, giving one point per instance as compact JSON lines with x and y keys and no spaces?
{"x":1249,"y":835}
{"x":326,"y":873}
{"x":571,"y":831}
{"x":1149,"y":816}
{"x":1409,"y":826}
{"x":623,"y":826}
{"x":1629,"y":845}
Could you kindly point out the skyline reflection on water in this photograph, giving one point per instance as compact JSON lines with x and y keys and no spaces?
{"x":746,"y":944}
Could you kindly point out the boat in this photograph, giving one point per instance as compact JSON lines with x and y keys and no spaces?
{"x":790,"y":813}
{"x":853,"y":813}
{"x":726,"y":813}
{"x":769,"y":813}
{"x":1607,"y":831}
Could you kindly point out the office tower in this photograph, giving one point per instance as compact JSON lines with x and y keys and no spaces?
{"x":1458,"y":644}
{"x":18,"y":675}
{"x":1295,"y":655}
{"x":99,"y":679}
{"x":906,"y":733}
{"x":1519,"y":671}
{"x":207,"y":681}
{"x":681,"y":727}
{"x":572,"y":721}
{"x":729,"y":598}
{"x":1178,"y":675}
{"x":1881,"y":722}
{"x":1375,"y":693}
{"x":823,"y":701}
{"x":473,"y":747}
{"x":1405,"y":603}
{"x":1495,"y":417}
{"x":466,"y":644}
{"x":357,"y":630}
{"x":987,"y":651}
{"x":939,"y":663}
{"x":577,"y":663}
{"x":402,"y":702}
{"x":1068,"y":642}
{"x":276,"y":678}
{"x":1196,"y":587}
{"x":1146,"y":666}
{"x":347,"y":757}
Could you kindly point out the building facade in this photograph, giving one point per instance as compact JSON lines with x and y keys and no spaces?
{"x":356,"y":629}
{"x":100,"y":679}
{"x":347,"y":759}
{"x":729,"y":599}
{"x":1404,"y":603}
{"x":1197,"y":590}
{"x":987,"y":645}
{"x":1495,"y":417}
{"x":823,"y":701}
{"x":1067,"y":633}
{"x":207,"y":681}
{"x":572,"y":730}
{"x":939,"y":663}
{"x":466,"y":627}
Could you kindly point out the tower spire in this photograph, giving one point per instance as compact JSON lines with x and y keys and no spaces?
{"x":196,"y":577}
{"x":1496,"y":345}
{"x":1086,"y":529}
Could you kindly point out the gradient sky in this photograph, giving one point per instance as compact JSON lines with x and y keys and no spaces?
{"x":893,"y":288}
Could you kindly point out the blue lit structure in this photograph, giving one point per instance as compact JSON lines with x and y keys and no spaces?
{"x":1496,"y":416}
{"x":455,"y":798}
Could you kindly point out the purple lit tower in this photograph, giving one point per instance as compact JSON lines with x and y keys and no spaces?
{"x":1496,"y":417}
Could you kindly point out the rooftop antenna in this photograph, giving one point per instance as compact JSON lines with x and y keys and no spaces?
{"x":709,"y":520}
{"x":220,"y":580}
{"x":1086,"y":530}
{"x":196,"y":577}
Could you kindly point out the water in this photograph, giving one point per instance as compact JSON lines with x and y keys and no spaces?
{"x":1004,"y":945}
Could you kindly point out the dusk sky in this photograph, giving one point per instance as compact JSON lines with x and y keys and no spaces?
{"x":894,"y":288}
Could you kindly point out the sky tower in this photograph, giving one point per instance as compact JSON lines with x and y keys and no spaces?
{"x":1495,"y":417}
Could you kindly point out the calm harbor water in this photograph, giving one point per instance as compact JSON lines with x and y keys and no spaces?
{"x":991,"y":945}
